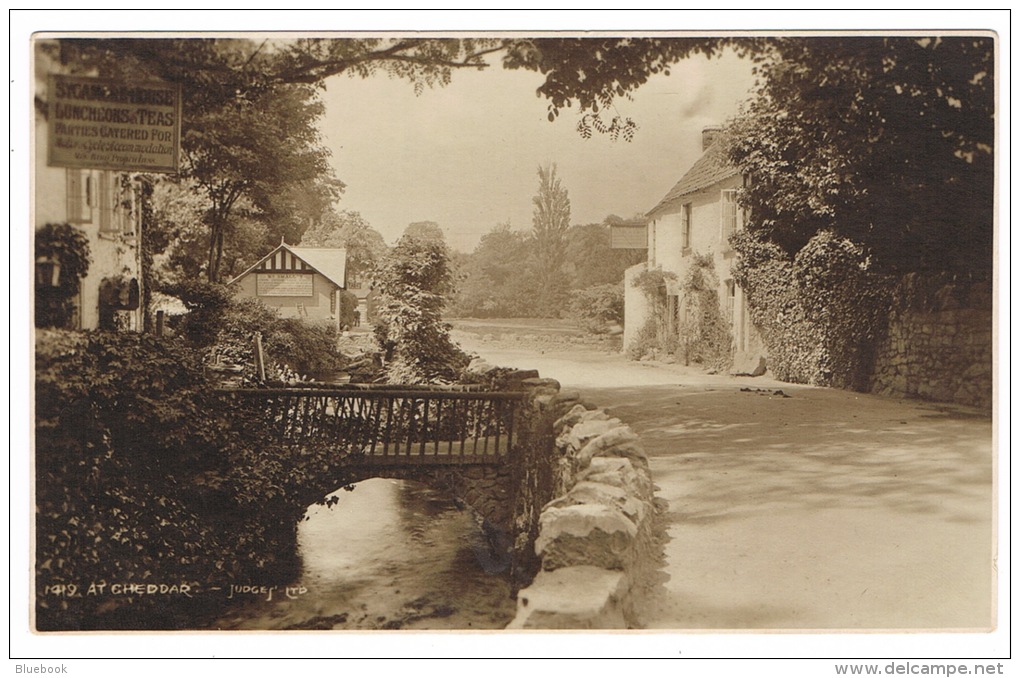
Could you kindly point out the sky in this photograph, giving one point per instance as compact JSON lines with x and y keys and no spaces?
{"x":467,"y":155}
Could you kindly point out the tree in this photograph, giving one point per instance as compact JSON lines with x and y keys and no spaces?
{"x":589,"y":71}
{"x":494,"y":283}
{"x":414,"y":282}
{"x":590,"y":259}
{"x":255,"y":149}
{"x":887,"y":141}
{"x":550,"y":221}
{"x":365,"y":246}
{"x":426,"y":230}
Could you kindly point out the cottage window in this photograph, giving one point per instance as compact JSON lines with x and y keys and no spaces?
{"x":108,"y":221}
{"x":81,"y":196}
{"x":728,"y":206}
{"x":685,"y":225}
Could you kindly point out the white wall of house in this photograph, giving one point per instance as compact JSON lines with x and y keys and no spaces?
{"x":635,"y":307}
{"x":113,"y":229}
{"x":695,"y":224}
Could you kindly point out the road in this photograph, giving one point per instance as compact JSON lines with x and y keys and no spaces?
{"x":793,"y":507}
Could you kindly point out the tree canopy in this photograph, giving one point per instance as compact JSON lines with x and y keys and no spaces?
{"x":885,"y":140}
{"x":849,"y":132}
{"x":425,"y":230}
{"x":365,"y":245}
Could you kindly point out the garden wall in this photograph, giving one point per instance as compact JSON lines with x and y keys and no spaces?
{"x":939,"y":344}
{"x":597,"y":535}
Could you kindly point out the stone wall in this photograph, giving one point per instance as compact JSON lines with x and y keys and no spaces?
{"x":597,"y":533}
{"x":939,"y":344}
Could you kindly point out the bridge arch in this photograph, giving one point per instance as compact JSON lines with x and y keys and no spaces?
{"x":492,"y":450}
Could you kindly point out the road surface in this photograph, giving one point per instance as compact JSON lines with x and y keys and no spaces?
{"x":793,"y":507}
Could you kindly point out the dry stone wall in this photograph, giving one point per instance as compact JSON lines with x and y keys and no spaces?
{"x":939,"y":345}
{"x":597,"y":533}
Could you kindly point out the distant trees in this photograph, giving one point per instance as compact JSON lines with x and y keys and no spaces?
{"x":365,"y":246}
{"x":590,"y":259}
{"x":549,"y":223}
{"x":493,"y":282}
{"x":425,"y":230}
{"x":497,"y":280}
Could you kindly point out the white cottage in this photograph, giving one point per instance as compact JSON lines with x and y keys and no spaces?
{"x":696,"y":217}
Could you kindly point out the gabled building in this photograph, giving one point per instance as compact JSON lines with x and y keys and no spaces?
{"x":300,"y":282}
{"x":690,"y":226}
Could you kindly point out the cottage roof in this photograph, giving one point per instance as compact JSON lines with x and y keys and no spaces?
{"x":712,"y":167}
{"x":330,"y":262}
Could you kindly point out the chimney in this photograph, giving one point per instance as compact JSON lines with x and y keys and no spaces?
{"x":709,"y":135}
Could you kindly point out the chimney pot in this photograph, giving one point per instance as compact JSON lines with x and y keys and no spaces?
{"x":709,"y":135}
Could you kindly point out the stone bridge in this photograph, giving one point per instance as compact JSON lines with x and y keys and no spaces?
{"x":492,"y":450}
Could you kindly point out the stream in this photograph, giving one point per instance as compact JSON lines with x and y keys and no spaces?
{"x":390,"y":554}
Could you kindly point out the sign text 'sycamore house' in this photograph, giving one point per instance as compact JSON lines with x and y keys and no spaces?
{"x":106,"y":124}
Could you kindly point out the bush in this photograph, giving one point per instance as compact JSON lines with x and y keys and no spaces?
{"x":847,"y":302}
{"x":207,"y":303}
{"x":291,"y":346}
{"x":69,"y":247}
{"x":820,"y":314}
{"x":146,"y":475}
{"x":414,"y":282}
{"x":704,"y":335}
{"x":123,"y":425}
{"x":765,"y":273}
{"x":597,"y":308}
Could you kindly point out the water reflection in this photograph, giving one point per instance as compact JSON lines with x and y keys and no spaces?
{"x":391,"y":554}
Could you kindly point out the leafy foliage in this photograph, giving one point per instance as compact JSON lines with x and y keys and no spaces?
{"x":261,"y":148}
{"x":292,"y":346}
{"x":886,"y":141}
{"x":704,"y":335}
{"x":69,"y":247}
{"x":144,"y":475}
{"x":414,"y":282}
{"x":765,"y":273}
{"x":847,"y":301}
{"x":492,"y":284}
{"x":655,"y":334}
{"x":495,"y":284}
{"x":821,"y":313}
{"x":591,"y":260}
{"x":122,"y":428}
{"x":425,"y":230}
{"x":594,"y":72}
{"x":598,"y":308}
{"x":207,"y":305}
{"x":349,"y":230}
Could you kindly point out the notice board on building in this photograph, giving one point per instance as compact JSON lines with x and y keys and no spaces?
{"x":97,"y":123}
{"x":283,"y":285}
{"x":628,"y":236}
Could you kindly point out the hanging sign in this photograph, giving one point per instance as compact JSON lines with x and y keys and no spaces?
{"x":106,"y":124}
